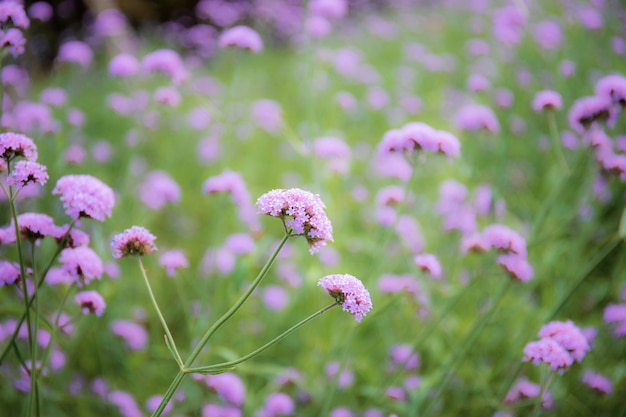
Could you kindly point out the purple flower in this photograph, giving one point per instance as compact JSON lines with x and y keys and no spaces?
{"x":275,"y":297}
{"x":547,"y":100}
{"x":588,"y":110}
{"x":548,"y":34}
{"x":90,"y":302}
{"x":153,"y":402}
{"x":32,"y":226}
{"x":612,"y":87}
{"x":516,"y":266}
{"x":240,"y":243}
{"x":15,"y":12}
{"x":277,"y":404}
{"x":403,"y":355}
{"x":428,"y":263}
{"x":477,"y":83}
{"x":41,"y":11}
{"x":213,"y":410}
{"x":13,"y":145}
{"x":55,"y":97}
{"x":168,"y":96}
{"x":597,"y":382}
{"x":85,"y":196}
{"x":504,"y":239}
{"x":476,"y":117}
{"x":305,"y":212}
{"x":134,"y":241}
{"x":158,"y":189}
{"x":568,"y":336}
{"x":25,"y":173}
{"x":268,"y":115}
{"x":9,"y":273}
{"x":166,"y":62}
{"x":349,"y":292}
{"x":508,"y":25}
{"x":228,"y":386}
{"x":82,"y":264}
{"x":547,"y":351}
{"x":125,"y":403}
{"x":172,"y":260}
{"x":522,"y":389}
{"x":133,"y":334}
{"x":74,"y":239}
{"x":123,"y":65}
{"x":13,"y":39}
{"x":76,"y":52}
{"x":241,"y":37}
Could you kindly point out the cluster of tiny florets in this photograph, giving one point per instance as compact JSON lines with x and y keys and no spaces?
{"x":349,"y":292}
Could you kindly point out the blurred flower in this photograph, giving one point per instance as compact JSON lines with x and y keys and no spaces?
{"x":597,"y":382}
{"x":548,"y":34}
{"x":304,"y":211}
{"x":123,"y":65}
{"x":428,"y":263}
{"x":13,"y":40}
{"x":125,"y":403}
{"x":275,"y":297}
{"x":612,"y":87}
{"x":547,"y":100}
{"x":168,"y":96}
{"x":133,"y":334}
{"x":166,"y":62}
{"x":13,"y":145}
{"x":26,"y":173}
{"x":504,"y":239}
{"x":615,"y":314}
{"x":549,"y":352}
{"x":9,"y":273}
{"x":403,"y":355}
{"x":228,"y":386}
{"x":157,"y":189}
{"x":85,"y":196}
{"x":152,"y":403}
{"x":82,"y":264}
{"x":521,"y":390}
{"x":517,"y":266}
{"x":568,"y":335}
{"x":508,"y":25}
{"x":349,"y":292}
{"x":172,"y":260}
{"x":268,"y":115}
{"x":90,"y":302}
{"x":476,"y":117}
{"x":134,"y":241}
{"x":277,"y":404}
{"x":241,"y":37}
{"x":14,"y":11}
{"x":41,"y":11}
{"x":75,"y":52}
{"x":586,"y":111}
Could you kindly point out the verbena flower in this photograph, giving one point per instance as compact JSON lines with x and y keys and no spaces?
{"x":548,"y":351}
{"x":133,"y":334}
{"x":547,"y":100}
{"x":586,"y":111}
{"x":13,"y":40}
{"x":158,"y":189}
{"x":82,"y":263}
{"x":9,"y":273}
{"x":90,"y":302}
{"x":522,"y":389}
{"x":32,"y":226}
{"x":85,"y":196}
{"x":134,"y":241}
{"x":568,"y":335}
{"x":516,"y":266}
{"x":277,"y":404}
{"x":241,"y":37}
{"x":429,"y":263}
{"x":613,"y":87}
{"x":301,"y":211}
{"x":172,"y":260}
{"x":228,"y":386}
{"x":75,"y":52}
{"x":13,"y":145}
{"x":123,"y":65}
{"x":25,"y":173}
{"x":349,"y":292}
{"x":597,"y":382}
{"x":166,"y":62}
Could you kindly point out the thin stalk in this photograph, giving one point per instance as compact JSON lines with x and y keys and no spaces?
{"x":232,"y":364}
{"x":545,"y":382}
{"x":33,"y":353}
{"x":557,"y":148}
{"x":205,"y":338}
{"x":171,"y":343}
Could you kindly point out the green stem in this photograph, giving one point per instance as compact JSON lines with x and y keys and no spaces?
{"x":232,"y":364}
{"x":205,"y":338}
{"x":557,"y":148}
{"x":545,"y":382}
{"x":170,"y":340}
{"x":34,"y":374}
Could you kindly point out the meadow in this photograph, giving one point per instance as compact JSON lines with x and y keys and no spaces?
{"x":470,"y":157}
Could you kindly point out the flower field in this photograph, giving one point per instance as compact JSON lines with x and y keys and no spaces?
{"x":323,"y":208}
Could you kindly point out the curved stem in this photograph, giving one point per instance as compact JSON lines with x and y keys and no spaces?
{"x":232,"y":364}
{"x":169,"y":339}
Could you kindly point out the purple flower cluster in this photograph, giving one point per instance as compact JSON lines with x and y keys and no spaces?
{"x":302,"y":213}
{"x":82,"y":264}
{"x":560,"y":344}
{"x":547,"y":100}
{"x":26,"y":173}
{"x":85,"y":196}
{"x":241,"y":37}
{"x":134,"y":241}
{"x":597,"y":382}
{"x":172,"y":260}
{"x":615,"y":314}
{"x":13,"y":145}
{"x":417,"y":136}
{"x":474,"y":117}
{"x":90,"y":302}
{"x":349,"y":292}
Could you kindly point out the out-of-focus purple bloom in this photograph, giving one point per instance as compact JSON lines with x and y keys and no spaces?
{"x":75,"y":52}
{"x":41,"y":11}
{"x":75,"y":117}
{"x":549,"y":352}
{"x":85,"y":196}
{"x":199,"y":118}
{"x":404,"y":356}
{"x":301,"y":211}
{"x":476,"y":117}
{"x":508,"y":25}
{"x":90,"y":302}
{"x":504,"y":239}
{"x":168,"y":96}
{"x":9,"y":273}
{"x":597,"y":382}
{"x":567,"y":68}
{"x":522,"y":389}
{"x":477,"y":47}
{"x":125,"y":403}
{"x":32,"y":226}
{"x":134,"y":241}
{"x":268,"y":115}
{"x":590,"y":18}
{"x":503,"y":98}
{"x":74,"y":239}
{"x":101,"y":151}
{"x":30,"y":117}
{"x":241,"y":37}
{"x":417,"y":136}
{"x":158,"y":189}
{"x":345,"y":377}
{"x":330,"y":9}
{"x":615,"y":314}
{"x":123,"y":65}
{"x":568,"y":335}
{"x":277,"y":404}
{"x":349,"y":292}
{"x":548,"y":34}
{"x":341,"y":412}
{"x":516,"y":266}
{"x":13,"y":40}
{"x":213,"y":410}
{"x":613,"y":87}
{"x":586,"y":111}
{"x":14,"y":11}
{"x":82,"y":263}
{"x":166,"y":62}
{"x":134,"y":335}
{"x":429,"y":263}
{"x":477,"y":83}
{"x":228,"y":386}
{"x":55,"y":97}
{"x":25,"y":173}
{"x":153,"y":402}
{"x":75,"y":154}
{"x":240,"y":243}
{"x":172,"y":260}
{"x":547,"y":100}
{"x":275,"y":297}
{"x":13,"y":145}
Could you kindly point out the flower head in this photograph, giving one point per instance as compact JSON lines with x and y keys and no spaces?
{"x":76,"y":52}
{"x":547,"y":351}
{"x":568,"y":335}
{"x":241,"y":37}
{"x":587,"y":110}
{"x":85,"y":196}
{"x":82,"y":264}
{"x":597,"y":382}
{"x":349,"y":292}
{"x":134,"y":241}
{"x":172,"y":260}
{"x":13,"y":145}
{"x":613,"y":87}
{"x":305,"y":212}
{"x":25,"y":173}
{"x":90,"y":302}
{"x":547,"y":100}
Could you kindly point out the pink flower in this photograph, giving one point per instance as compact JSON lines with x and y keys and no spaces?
{"x":476,"y":117}
{"x":13,"y":40}
{"x":172,"y":260}
{"x":90,"y":302}
{"x":168,"y":96}
{"x":302,"y":213}
{"x":158,"y":189}
{"x":522,"y":389}
{"x":133,"y":334}
{"x":504,"y":239}
{"x":228,"y":386}
{"x":268,"y":115}
{"x":76,"y":52}
{"x":517,"y":266}
{"x":9,"y":273}
{"x":597,"y":382}
{"x":275,"y":297}
{"x":586,"y":111}
{"x":568,"y":335}
{"x":13,"y":145}
{"x":82,"y":264}
{"x":549,"y":352}
{"x":25,"y":173}
{"x":349,"y":292}
{"x":32,"y":226}
{"x":14,"y":11}
{"x":241,"y":37}
{"x":134,"y":241}
{"x":277,"y":404}
{"x":547,"y":100}
{"x":612,"y":87}
{"x":166,"y":62}
{"x":85,"y":196}
{"x":123,"y":65}
{"x":428,"y":263}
